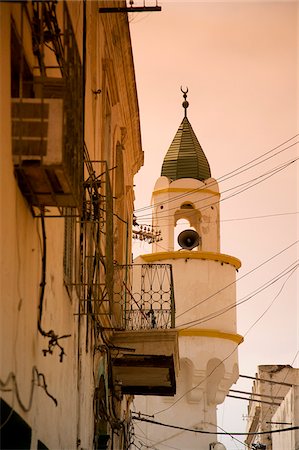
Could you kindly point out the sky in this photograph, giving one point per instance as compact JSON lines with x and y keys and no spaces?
{"x":239,"y":61}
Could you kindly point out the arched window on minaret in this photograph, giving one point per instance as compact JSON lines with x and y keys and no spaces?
{"x":187,"y":217}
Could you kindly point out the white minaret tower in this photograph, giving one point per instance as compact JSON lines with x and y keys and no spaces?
{"x":205,"y":296}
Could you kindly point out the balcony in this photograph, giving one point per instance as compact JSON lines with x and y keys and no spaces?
{"x":144,"y":313}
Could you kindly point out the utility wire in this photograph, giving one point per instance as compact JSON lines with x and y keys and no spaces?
{"x":267,"y":309}
{"x":38,"y":379}
{"x":177,"y":427}
{"x":259,"y":179}
{"x":228,"y":434}
{"x":153,"y":443}
{"x":245,"y":186}
{"x":244,"y":299}
{"x":221,"y":362}
{"x":235,"y":219}
{"x":238,"y":279}
{"x":229,"y":175}
{"x":259,"y":217}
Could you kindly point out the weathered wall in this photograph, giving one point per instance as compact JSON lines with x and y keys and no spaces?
{"x":288,"y":414}
{"x":30,"y":381}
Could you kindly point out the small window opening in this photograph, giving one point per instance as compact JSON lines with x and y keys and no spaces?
{"x":187,"y":206}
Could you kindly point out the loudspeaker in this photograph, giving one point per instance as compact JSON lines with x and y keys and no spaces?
{"x":189,"y":239}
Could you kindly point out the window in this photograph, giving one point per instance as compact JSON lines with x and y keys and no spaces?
{"x":15,"y":433}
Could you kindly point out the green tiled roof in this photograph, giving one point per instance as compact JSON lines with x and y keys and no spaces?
{"x":185,"y":157}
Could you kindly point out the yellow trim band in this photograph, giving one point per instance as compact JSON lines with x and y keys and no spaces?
{"x":188,"y":254}
{"x":212,"y":333}
{"x":185,"y":190}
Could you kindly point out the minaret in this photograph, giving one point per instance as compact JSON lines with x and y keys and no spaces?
{"x":205,"y":295}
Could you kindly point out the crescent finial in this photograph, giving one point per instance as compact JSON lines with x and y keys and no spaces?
{"x":185,"y":104}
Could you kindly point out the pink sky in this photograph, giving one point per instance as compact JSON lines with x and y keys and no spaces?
{"x":240,"y":63}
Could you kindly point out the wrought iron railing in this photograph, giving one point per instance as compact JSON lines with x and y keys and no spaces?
{"x":144,"y":297}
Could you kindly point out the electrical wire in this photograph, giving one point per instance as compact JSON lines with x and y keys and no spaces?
{"x":292,"y":270}
{"x":206,"y":186}
{"x":2,"y":425}
{"x":244,"y":299}
{"x":228,"y":175}
{"x":259,"y":217}
{"x":238,"y":279}
{"x":38,"y":377}
{"x":221,"y":362}
{"x":177,"y":427}
{"x":141,"y":19}
{"x":220,"y":179}
{"x":228,"y":434}
{"x":153,"y":444}
{"x":267,"y":309}
{"x":236,"y":219}
{"x":276,"y":280}
{"x":53,"y":337}
{"x":263,"y":177}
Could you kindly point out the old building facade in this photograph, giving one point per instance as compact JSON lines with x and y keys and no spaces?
{"x":70,"y":146}
{"x":274,"y":406}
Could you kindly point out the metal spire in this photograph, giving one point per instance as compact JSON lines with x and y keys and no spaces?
{"x":185,"y":104}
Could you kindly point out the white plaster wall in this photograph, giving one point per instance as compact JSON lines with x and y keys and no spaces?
{"x":208,"y":365}
{"x":183,"y":414}
{"x":287,"y":412}
{"x":205,"y":297}
{"x":202,"y":383}
{"x":202,"y":281}
{"x":215,"y":365}
{"x":168,"y":198}
{"x":207,"y":283}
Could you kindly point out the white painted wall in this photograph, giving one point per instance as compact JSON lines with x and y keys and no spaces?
{"x":204,"y":196}
{"x":288,"y":413}
{"x":205,"y":296}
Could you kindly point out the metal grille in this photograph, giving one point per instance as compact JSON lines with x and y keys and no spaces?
{"x":96,"y":283}
{"x":144,"y":296}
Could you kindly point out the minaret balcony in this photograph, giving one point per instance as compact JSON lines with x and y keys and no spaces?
{"x":146,"y":341}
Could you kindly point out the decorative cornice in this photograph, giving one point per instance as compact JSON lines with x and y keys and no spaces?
{"x":188,"y":254}
{"x":211,"y":333}
{"x":186,"y":190}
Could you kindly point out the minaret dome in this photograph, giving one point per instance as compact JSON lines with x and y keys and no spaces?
{"x":185,"y":158}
